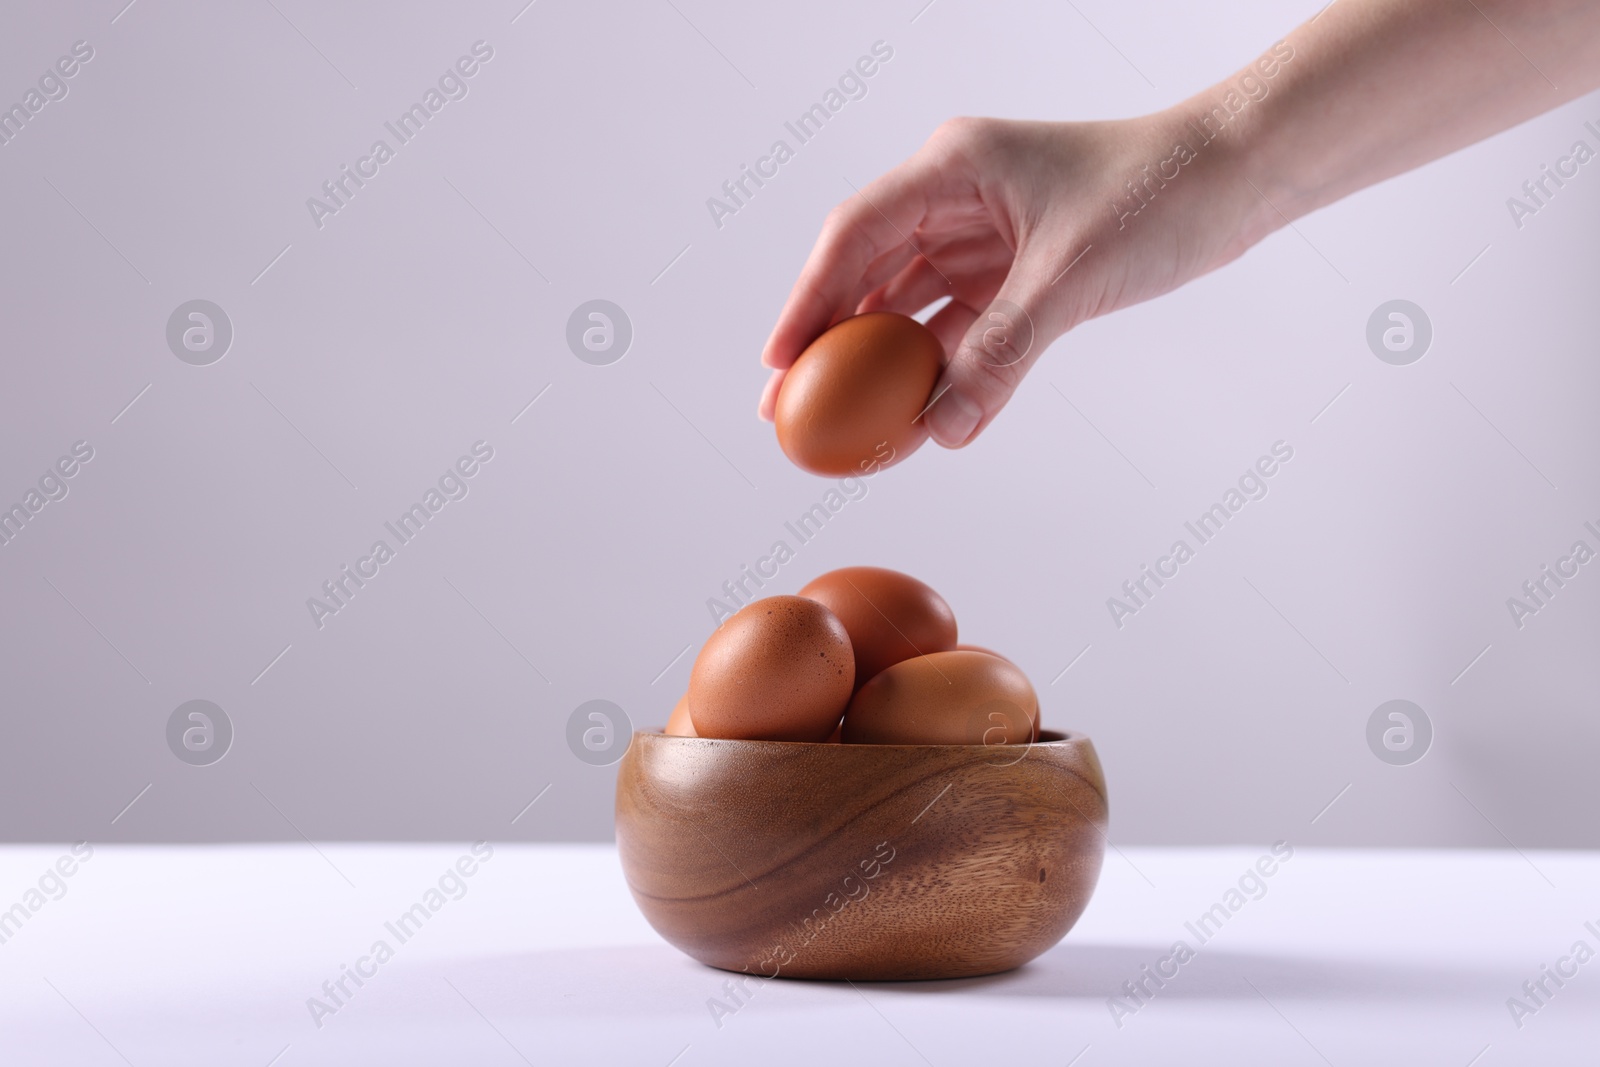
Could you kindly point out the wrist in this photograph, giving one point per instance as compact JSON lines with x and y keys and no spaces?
{"x":1236,"y":129}
{"x":1221,"y":191}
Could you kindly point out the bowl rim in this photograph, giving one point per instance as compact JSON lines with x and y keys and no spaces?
{"x":1047,"y":739}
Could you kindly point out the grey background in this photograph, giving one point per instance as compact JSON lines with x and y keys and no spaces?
{"x":427,"y":314}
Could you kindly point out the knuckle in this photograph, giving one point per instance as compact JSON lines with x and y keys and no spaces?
{"x":993,"y":380}
{"x":852,"y":243}
{"x":964,"y":132}
{"x":838,"y":219}
{"x":842,"y":229}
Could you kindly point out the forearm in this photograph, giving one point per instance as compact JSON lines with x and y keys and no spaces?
{"x":1377,"y":87}
{"x":1065,"y":221}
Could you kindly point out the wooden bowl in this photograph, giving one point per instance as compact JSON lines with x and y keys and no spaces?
{"x":861,"y":861}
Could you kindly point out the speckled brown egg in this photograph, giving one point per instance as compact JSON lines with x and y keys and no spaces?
{"x":889,"y":616}
{"x":678,"y":723}
{"x":852,"y":403}
{"x":947,"y":698}
{"x":780,"y":669}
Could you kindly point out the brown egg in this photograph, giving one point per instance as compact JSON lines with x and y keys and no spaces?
{"x":780,"y":669}
{"x":1038,"y":723}
{"x":889,"y":616}
{"x":947,"y":698}
{"x":678,"y":723}
{"x":852,"y":403}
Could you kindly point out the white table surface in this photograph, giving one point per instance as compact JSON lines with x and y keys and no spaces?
{"x":208,"y":955}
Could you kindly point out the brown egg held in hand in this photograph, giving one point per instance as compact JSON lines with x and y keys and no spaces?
{"x":947,"y":698}
{"x":852,"y":403}
{"x":780,"y":669}
{"x":678,"y":723}
{"x":889,"y":616}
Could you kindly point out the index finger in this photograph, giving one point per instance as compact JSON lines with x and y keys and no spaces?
{"x":873,"y":221}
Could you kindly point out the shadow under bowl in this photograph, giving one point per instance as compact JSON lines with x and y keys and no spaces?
{"x":866,"y":862}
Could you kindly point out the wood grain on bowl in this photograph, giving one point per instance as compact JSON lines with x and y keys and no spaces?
{"x":861,"y":861}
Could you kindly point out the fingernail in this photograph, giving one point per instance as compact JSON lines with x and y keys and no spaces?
{"x":769,"y":397}
{"x":952,"y":419}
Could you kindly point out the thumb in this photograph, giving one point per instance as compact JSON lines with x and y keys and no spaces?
{"x":995,"y":353}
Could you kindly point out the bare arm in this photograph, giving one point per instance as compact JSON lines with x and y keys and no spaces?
{"x":1060,"y":222}
{"x":1388,"y":85}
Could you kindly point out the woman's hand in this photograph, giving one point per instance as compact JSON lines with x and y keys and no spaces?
{"x":1030,"y":228}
